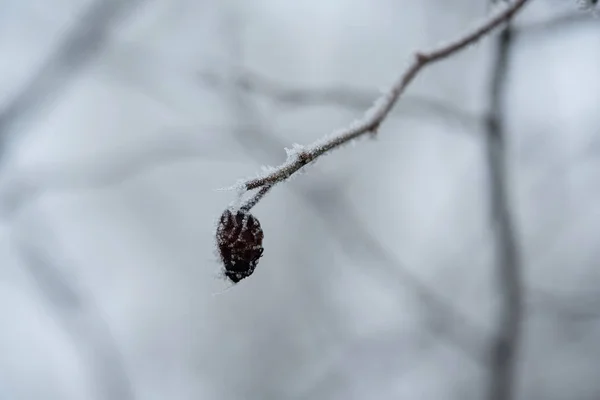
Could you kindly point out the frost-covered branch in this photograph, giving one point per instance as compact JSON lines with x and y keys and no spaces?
{"x":300,"y":156}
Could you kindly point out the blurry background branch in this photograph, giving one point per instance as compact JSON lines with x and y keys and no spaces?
{"x":80,"y":318}
{"x":342,"y":95}
{"x":84,"y":40}
{"x":176,"y":145}
{"x":505,"y":345}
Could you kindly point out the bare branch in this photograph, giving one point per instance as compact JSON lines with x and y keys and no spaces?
{"x":168,"y":146}
{"x":505,"y":346}
{"x":377,"y":114}
{"x":344,"y":96}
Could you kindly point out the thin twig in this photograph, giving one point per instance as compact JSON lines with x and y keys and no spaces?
{"x":252,"y":201}
{"x":376,"y":115}
{"x":505,"y":345}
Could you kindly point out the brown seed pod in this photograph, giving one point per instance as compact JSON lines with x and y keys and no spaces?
{"x":239,"y":241}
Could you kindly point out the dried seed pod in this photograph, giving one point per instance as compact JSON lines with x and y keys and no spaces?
{"x":239,"y":241}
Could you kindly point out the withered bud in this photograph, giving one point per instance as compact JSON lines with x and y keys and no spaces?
{"x":239,"y":241}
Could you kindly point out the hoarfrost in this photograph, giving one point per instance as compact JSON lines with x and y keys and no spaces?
{"x":239,"y":185}
{"x":267,"y":169}
{"x":294,"y":151}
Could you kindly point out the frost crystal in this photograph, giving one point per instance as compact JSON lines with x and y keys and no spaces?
{"x":294,"y":151}
{"x":267,"y":169}
{"x":378,"y":106}
{"x":239,"y":185}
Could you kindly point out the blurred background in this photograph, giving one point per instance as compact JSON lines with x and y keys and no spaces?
{"x":454,"y":256}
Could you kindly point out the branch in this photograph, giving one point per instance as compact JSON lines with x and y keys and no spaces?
{"x":344,"y":96}
{"x":20,"y":187}
{"x":505,"y":345}
{"x":301,"y":156}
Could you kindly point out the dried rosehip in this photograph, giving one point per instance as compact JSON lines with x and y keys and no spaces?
{"x":239,"y":240}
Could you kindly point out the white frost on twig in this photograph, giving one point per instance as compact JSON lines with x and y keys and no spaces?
{"x":298,"y":157}
{"x":294,"y":151}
